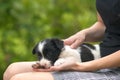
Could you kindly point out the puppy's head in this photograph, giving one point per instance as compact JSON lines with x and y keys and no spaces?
{"x":48,"y":51}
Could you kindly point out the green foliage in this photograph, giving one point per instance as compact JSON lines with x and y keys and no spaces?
{"x":25,"y":22}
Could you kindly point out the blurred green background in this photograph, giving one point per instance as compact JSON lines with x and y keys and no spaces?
{"x":25,"y":22}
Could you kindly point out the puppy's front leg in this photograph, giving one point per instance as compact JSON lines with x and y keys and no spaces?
{"x":59,"y":61}
{"x":63,"y":60}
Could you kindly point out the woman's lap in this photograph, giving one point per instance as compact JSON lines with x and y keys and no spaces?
{"x":112,"y":74}
{"x":105,"y":74}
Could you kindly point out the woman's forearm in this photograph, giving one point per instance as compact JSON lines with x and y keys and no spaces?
{"x":95,"y":33}
{"x":110,"y":61}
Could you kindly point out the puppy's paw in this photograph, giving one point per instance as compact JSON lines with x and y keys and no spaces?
{"x":36,"y":65}
{"x":59,"y":62}
{"x":42,"y":65}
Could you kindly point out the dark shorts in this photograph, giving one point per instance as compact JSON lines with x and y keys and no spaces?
{"x":104,"y":74}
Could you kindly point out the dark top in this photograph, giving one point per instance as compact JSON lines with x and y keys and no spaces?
{"x":109,"y":10}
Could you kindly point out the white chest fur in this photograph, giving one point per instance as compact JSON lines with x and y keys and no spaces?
{"x":68,"y":55}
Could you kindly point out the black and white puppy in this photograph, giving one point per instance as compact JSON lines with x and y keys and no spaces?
{"x":54,"y":52}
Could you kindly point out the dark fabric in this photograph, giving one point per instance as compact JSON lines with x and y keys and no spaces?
{"x":110,"y":13}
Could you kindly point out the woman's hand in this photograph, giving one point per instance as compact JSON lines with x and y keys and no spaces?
{"x":75,"y":40}
{"x":75,"y":66}
{"x":66,"y":66}
{"x":62,"y":67}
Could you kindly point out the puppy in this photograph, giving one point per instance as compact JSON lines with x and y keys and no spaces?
{"x":54,"y":52}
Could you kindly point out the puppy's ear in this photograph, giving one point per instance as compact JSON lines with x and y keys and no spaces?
{"x":35,"y":49}
{"x":58,"y":43}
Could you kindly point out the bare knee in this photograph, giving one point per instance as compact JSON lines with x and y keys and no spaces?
{"x":33,"y":76}
{"x":9,"y":72}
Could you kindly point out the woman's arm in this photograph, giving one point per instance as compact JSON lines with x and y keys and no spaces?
{"x":92,"y":34}
{"x":110,"y":61}
{"x":96,"y":31}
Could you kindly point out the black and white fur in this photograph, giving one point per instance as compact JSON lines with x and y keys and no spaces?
{"x":54,"y":52}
